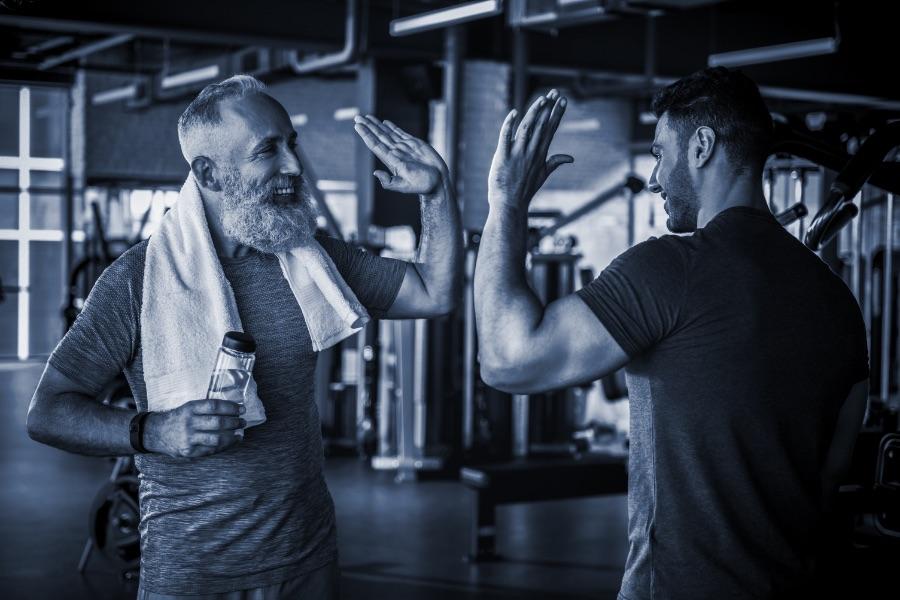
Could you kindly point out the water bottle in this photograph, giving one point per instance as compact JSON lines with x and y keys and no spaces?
{"x":234,"y":365}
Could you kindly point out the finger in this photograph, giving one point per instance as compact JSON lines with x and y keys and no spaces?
{"x":556,"y":161}
{"x":372,"y":141}
{"x":215,"y":407}
{"x":506,"y":132}
{"x":523,"y":133}
{"x":383,"y":177}
{"x":536,"y":142}
{"x":206,"y":438}
{"x":399,"y":132}
{"x":390,"y":182}
{"x":559,"y":109}
{"x":385,"y":135}
{"x":216,"y":423}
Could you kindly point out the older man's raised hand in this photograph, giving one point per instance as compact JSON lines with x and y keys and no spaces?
{"x":413,"y":165}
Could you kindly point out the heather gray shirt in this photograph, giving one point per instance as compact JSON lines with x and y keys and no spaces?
{"x":743,"y":347}
{"x":258,"y":513}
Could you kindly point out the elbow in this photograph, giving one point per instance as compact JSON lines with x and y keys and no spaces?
{"x":505,"y":371}
{"x":34,"y":424}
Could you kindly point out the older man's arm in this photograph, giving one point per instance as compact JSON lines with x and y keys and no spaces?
{"x":432,"y":281}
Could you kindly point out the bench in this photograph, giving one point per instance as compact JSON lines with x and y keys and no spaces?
{"x":533,"y":480}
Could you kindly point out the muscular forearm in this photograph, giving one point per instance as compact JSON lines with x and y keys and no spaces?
{"x":78,"y":423}
{"x":439,"y":255}
{"x":506,"y":309}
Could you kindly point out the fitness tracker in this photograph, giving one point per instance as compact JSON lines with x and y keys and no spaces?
{"x":136,"y":432}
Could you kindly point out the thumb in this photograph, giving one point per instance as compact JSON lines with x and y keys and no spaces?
{"x":383,"y":177}
{"x":557,"y":160}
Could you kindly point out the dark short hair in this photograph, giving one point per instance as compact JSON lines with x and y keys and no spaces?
{"x":726,"y":101}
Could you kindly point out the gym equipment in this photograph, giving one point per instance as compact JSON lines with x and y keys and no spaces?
{"x":838,"y":208}
{"x":115,"y":515}
{"x":887,"y":486}
{"x":533,"y":481}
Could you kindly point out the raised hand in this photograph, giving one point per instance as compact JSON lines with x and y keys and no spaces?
{"x":413,"y":166}
{"x":520,"y":165}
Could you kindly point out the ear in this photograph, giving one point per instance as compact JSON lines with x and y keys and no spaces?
{"x":701,"y":147}
{"x":204,"y":170}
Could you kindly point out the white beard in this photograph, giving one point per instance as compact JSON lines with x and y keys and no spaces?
{"x":251,"y":217}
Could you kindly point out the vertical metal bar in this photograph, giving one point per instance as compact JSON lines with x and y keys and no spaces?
{"x":888,"y":300}
{"x":420,"y":379}
{"x":520,"y":69}
{"x":856,"y":251}
{"x":454,"y":42}
{"x":365,"y":161}
{"x":520,"y":425}
{"x":468,"y":418}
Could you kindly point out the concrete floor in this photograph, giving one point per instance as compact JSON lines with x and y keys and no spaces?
{"x":400,"y":541}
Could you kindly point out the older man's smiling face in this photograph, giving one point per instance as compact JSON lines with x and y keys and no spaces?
{"x":267,"y":203}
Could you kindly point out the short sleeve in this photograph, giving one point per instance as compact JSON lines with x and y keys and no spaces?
{"x":639,"y":296}
{"x":374,"y":279}
{"x":105,"y":335}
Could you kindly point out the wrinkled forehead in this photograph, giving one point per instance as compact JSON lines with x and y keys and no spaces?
{"x":246,"y":121}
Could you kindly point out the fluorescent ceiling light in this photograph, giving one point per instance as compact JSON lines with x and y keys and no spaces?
{"x":193,"y":76}
{"x":114,"y":95}
{"x":346,"y":113}
{"x":444,"y":17}
{"x":299,"y":120}
{"x":766,"y":54}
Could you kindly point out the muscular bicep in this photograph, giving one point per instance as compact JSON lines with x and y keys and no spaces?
{"x":568,"y":346}
{"x":413,"y":300}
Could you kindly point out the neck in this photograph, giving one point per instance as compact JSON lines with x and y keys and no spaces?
{"x":224,"y":245}
{"x":727,"y":191}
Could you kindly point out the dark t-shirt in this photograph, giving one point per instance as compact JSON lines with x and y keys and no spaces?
{"x":260,"y":512}
{"x":743,"y":347}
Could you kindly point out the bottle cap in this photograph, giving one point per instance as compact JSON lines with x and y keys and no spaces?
{"x":240,"y":341}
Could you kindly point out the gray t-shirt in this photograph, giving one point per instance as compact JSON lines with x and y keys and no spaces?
{"x":260,"y":512}
{"x":743,"y":347}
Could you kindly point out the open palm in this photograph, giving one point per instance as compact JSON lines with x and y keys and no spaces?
{"x":414,"y":167}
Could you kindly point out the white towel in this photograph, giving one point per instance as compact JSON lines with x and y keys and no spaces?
{"x":188,"y":305}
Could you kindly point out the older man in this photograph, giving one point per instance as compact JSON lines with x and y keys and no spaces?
{"x":228,"y":513}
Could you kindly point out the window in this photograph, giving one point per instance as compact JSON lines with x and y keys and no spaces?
{"x":33,"y":134}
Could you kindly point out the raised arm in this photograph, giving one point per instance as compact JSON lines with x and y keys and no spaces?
{"x":432,"y":281}
{"x":524,"y":346}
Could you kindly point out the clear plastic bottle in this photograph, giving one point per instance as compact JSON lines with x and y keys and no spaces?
{"x":234,"y":365}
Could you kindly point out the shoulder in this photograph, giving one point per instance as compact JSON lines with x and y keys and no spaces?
{"x":664,"y":252}
{"x":125,"y":276}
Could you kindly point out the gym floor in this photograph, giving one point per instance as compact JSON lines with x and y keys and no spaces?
{"x":401,"y":541}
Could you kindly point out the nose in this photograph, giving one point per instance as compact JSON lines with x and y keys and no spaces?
{"x":290,"y":163}
{"x":653,"y":183}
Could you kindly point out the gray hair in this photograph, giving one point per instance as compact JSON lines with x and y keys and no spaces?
{"x":197,"y":122}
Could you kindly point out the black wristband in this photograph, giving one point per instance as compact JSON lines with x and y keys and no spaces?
{"x":136,"y":432}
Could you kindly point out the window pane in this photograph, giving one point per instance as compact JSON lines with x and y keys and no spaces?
{"x":9,"y":120}
{"x":46,"y":211}
{"x":48,"y":122}
{"x":9,"y":272}
{"x":9,"y":210}
{"x":48,"y":179}
{"x":46,"y":297}
{"x":9,"y":177}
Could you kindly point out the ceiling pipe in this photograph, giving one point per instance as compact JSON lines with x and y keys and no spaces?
{"x":345,"y":56}
{"x":86,"y":50}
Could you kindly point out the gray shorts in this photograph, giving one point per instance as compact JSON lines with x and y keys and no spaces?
{"x":321,"y":584}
